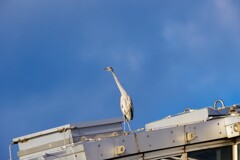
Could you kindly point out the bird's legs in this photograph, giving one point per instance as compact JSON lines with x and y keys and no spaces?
{"x":124,"y":124}
{"x":129,"y":126}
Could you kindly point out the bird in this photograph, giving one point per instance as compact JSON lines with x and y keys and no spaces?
{"x":126,"y":103}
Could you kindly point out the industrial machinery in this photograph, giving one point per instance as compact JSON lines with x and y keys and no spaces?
{"x":206,"y":134}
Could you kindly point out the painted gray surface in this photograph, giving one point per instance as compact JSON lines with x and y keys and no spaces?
{"x":99,"y":140}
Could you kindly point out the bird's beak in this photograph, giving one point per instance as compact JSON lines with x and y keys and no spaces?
{"x":106,"y":69}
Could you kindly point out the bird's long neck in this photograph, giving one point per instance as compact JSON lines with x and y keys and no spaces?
{"x":123,"y":92}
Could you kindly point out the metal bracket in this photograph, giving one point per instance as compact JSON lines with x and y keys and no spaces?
{"x":220,"y":101}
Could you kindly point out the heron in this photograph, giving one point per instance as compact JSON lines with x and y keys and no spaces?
{"x":126,"y":104}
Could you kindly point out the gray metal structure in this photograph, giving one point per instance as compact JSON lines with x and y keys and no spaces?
{"x":205,"y":134}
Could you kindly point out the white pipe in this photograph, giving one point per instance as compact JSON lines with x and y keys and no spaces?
{"x":235,"y":152}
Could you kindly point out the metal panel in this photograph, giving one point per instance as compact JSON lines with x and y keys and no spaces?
{"x":53,"y":140}
{"x":42,"y":154}
{"x":230,"y":121}
{"x":210,"y":130}
{"x":45,"y":142}
{"x":208,"y":145}
{"x":98,"y":129}
{"x":135,"y":157}
{"x":129,"y":142}
{"x":179,"y":120}
{"x":98,"y":122}
{"x":70,"y":153}
{"x":75,"y":152}
{"x":44,"y":137}
{"x":41,"y":133}
{"x":159,"y":139}
{"x":99,"y":140}
{"x":218,"y":112}
{"x":48,"y":146}
{"x":98,"y":150}
{"x":106,"y":148}
{"x":54,"y":155}
{"x":90,"y":129}
{"x":164,"y":153}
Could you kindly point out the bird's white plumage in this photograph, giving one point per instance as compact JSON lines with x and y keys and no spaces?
{"x":126,"y":107}
{"x":125,"y":100}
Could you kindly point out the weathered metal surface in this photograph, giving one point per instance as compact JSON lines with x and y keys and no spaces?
{"x":106,"y":148}
{"x":53,"y":140}
{"x":179,"y":120}
{"x":168,"y":138}
{"x":205,"y":131}
{"x":162,"y":138}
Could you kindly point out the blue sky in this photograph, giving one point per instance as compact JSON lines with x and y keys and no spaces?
{"x":168,"y":55}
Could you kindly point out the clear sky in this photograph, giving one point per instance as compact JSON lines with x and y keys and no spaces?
{"x":168,"y":55}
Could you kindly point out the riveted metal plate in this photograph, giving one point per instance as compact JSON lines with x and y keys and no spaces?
{"x":105,"y":148}
{"x":210,"y":130}
{"x":162,"y":138}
